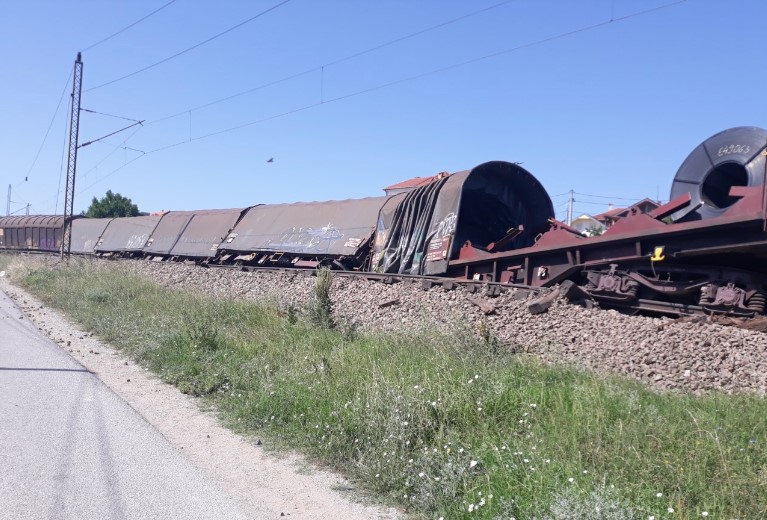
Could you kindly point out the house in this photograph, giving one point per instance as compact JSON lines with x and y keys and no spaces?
{"x":411,"y":184}
{"x":591,"y":225}
{"x":588,"y":225}
{"x":610,"y":216}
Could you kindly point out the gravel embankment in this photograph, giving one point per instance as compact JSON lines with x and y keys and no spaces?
{"x":663,"y":353}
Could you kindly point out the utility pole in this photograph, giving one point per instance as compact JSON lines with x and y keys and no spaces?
{"x":570,"y":208}
{"x":8,"y":205}
{"x":74,"y":131}
{"x":27,"y":208}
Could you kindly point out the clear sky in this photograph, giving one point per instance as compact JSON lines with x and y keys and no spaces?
{"x":606,"y":108}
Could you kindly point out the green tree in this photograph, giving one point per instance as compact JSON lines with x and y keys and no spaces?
{"x":595,"y":231}
{"x":112,"y":205}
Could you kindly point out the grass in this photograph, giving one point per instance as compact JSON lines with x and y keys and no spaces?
{"x":451,"y":427}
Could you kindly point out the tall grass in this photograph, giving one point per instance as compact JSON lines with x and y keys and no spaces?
{"x":451,"y":427}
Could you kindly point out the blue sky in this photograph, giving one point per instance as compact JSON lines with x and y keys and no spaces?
{"x":608,"y":109}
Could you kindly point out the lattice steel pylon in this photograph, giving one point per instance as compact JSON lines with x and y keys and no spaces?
{"x":74,"y":131}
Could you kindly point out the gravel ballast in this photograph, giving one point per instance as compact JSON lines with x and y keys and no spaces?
{"x":663,"y":353}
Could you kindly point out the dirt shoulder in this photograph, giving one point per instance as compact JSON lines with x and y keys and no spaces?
{"x":263,"y":484}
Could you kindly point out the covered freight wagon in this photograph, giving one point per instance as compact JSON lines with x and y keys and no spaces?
{"x":126,"y":235}
{"x":336,"y":229}
{"x":497,"y":206}
{"x":31,"y":232}
{"x":86,"y":233}
{"x":192,"y":234}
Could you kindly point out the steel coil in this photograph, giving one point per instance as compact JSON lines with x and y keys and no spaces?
{"x":734,"y":157}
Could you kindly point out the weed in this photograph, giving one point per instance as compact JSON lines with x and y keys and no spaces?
{"x":202,"y":335}
{"x":489,"y":340}
{"x":321,"y":308}
{"x":292,"y":314}
{"x":600,"y":504}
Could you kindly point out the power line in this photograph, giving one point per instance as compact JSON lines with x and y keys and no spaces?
{"x":592,"y":203}
{"x":418,"y":33}
{"x":88,"y":143}
{"x":84,"y":175}
{"x":45,"y":137}
{"x":61,"y":167}
{"x":385,"y":85}
{"x":128,"y":27}
{"x":108,"y":115}
{"x":424,"y":74}
{"x":110,"y":174}
{"x":259,"y":15}
{"x":334,"y":62}
{"x":114,"y":150}
{"x":608,"y":197}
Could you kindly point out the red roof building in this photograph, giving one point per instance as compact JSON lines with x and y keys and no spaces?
{"x":411,"y":184}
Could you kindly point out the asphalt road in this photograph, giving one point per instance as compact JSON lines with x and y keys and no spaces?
{"x":72,"y":449}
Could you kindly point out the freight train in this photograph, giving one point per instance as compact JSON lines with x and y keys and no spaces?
{"x":703,"y":252}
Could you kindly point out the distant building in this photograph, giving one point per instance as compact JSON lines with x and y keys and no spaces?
{"x":411,"y":184}
{"x":598,"y":224}
{"x":588,"y":225}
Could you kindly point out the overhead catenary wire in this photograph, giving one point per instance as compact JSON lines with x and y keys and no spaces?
{"x":608,"y":197}
{"x":495,"y":54}
{"x":431,"y":72}
{"x":84,"y":175}
{"x":597,"y":203}
{"x":108,"y":115}
{"x":89,"y":47}
{"x":322,"y":67}
{"x":188,"y":49}
{"x":61,"y":166}
{"x":50,"y":125}
{"x":87,"y":143}
{"x":418,"y":33}
{"x":64,"y":91}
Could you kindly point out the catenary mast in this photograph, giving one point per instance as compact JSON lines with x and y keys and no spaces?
{"x":74,"y":130}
